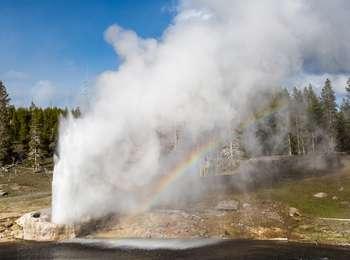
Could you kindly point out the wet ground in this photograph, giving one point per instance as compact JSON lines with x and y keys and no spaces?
{"x":233,"y":249}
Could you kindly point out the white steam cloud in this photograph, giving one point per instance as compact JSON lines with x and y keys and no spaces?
{"x":197,"y":78}
{"x":44,"y":92}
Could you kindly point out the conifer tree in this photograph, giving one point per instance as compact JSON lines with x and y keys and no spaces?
{"x":298,"y":121}
{"x":50,"y":129}
{"x":36,"y":153}
{"x":344,"y":124}
{"x":271,"y":122}
{"x":76,"y":112}
{"x":345,"y":107}
{"x":14,"y":130}
{"x":23,"y":116}
{"x":329,"y":107}
{"x":5,"y":131}
{"x":314,"y":118}
{"x":341,"y":134}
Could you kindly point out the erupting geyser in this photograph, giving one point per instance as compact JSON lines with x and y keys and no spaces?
{"x":196,"y":79}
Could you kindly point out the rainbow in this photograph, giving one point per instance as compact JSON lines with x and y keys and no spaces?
{"x":192,"y":159}
{"x":189,"y":162}
{"x":264,"y":113}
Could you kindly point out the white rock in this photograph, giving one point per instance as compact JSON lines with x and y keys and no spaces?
{"x":228,"y":205}
{"x":294,"y":212}
{"x":246,"y":205}
{"x":37,"y":226}
{"x":3,"y":193}
{"x":320,"y":195}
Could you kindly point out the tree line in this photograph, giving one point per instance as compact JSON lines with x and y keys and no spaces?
{"x":28,"y":134}
{"x":295,"y":122}
{"x":301,"y":122}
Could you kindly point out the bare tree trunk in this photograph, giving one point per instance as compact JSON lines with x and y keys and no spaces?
{"x":34,"y":159}
{"x":290,"y":144}
{"x":303,"y":146}
{"x":298,"y":135}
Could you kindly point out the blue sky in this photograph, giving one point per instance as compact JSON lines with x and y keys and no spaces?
{"x":49,"y":48}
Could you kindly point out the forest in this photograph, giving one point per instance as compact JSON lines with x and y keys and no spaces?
{"x":298,"y":122}
{"x":28,"y":135}
{"x":291,"y":122}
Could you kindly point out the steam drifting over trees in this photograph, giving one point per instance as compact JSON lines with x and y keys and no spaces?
{"x":315,"y":124}
{"x":289,"y":123}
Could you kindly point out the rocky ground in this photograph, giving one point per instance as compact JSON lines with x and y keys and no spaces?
{"x":22,"y":191}
{"x":315,"y":208}
{"x":250,"y":221}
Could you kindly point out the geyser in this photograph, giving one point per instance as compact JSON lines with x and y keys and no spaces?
{"x":194,"y":80}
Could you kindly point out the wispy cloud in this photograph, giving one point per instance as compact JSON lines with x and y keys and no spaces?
{"x":14,"y":75}
{"x":24,"y":89}
{"x":170,"y":8}
{"x":318,"y":80}
{"x":43,"y":92}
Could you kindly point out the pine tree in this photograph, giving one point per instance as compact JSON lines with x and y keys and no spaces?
{"x":5,"y":131}
{"x":14,"y":130}
{"x":36,"y":153}
{"x":329,"y":107}
{"x":341,"y":134}
{"x":50,"y":129}
{"x":344,"y":130}
{"x":285,"y":100}
{"x":23,"y":117}
{"x":47,"y":129}
{"x":271,"y":122}
{"x":314,"y":118}
{"x":76,"y":112}
{"x":345,"y":107}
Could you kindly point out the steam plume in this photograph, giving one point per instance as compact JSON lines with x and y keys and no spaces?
{"x":197,"y":77}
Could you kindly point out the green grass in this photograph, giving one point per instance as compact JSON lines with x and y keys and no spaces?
{"x":26,"y":192}
{"x":299,"y":194}
{"x":26,"y":181}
